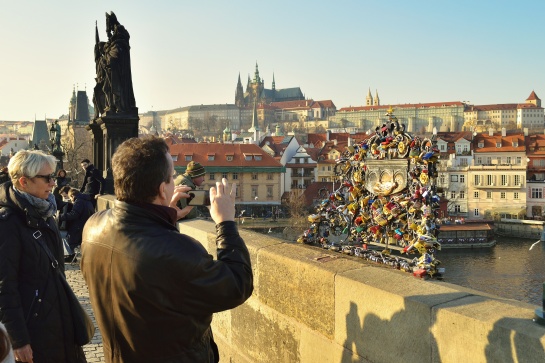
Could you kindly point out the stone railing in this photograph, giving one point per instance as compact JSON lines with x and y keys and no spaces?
{"x":311,"y":305}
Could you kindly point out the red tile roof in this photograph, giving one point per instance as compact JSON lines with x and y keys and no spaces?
{"x":506,"y":143}
{"x":532,"y":97}
{"x":317,"y":139}
{"x":275,"y":143}
{"x":503,"y":106}
{"x":324,"y":104}
{"x":535,"y":145}
{"x":406,"y":105}
{"x":201,"y":151}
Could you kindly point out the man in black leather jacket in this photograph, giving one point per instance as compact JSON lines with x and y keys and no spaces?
{"x":153,"y":289}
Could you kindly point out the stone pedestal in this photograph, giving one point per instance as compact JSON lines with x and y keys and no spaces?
{"x":108,"y":132}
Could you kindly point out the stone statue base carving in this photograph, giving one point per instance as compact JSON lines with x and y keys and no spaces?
{"x":108,"y":132}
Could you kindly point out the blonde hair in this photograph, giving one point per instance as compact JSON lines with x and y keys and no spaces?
{"x":28,"y":163}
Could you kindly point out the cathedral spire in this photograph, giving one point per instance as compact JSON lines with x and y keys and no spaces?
{"x":257,"y":79}
{"x":376,"y":102}
{"x":239,"y":94}
{"x":273,"y":84}
{"x":369,"y":98}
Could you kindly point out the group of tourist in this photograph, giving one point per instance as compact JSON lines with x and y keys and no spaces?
{"x":153,"y":289}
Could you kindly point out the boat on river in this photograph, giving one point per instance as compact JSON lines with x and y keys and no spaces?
{"x":466,"y":235}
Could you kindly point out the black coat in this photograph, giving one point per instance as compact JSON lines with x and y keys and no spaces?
{"x":157,"y":288}
{"x":33,"y":304}
{"x":59,"y":183}
{"x":81,"y":210}
{"x":4,"y":177}
{"x":93,"y":183}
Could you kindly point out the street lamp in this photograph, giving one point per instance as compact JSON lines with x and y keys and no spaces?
{"x":55,"y":138}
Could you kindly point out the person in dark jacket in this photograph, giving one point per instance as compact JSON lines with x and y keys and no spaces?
{"x":93,"y":183}
{"x":34,"y":306}
{"x":61,"y":181}
{"x":193,"y":177}
{"x":82,"y":209}
{"x":4,"y":175}
{"x":153,"y":289}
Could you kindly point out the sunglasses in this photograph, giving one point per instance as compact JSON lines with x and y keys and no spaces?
{"x":47,"y":178}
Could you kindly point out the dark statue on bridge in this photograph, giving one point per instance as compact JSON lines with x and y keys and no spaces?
{"x":113,"y":93}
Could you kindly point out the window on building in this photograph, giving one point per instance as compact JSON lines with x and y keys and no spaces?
{"x":479,"y":160}
{"x":269,"y":191}
{"x":254,"y":191}
{"x":519,"y":160}
{"x":515,"y":195}
{"x":210,"y":157}
{"x":269,"y":176}
{"x":462,"y":194}
{"x":537,"y":193}
{"x":442,"y":147}
{"x":188,"y":158}
{"x":489,"y":160}
{"x":442,"y":178}
{"x":452,"y":195}
{"x":498,"y":160}
{"x":504,"y":180}
{"x":476,"y":195}
{"x":489,"y":180}
{"x":476,"y":212}
{"x":211,"y":176}
{"x":488,"y":195}
{"x":254,"y":176}
{"x":517,"y":180}
{"x":508,"y":160}
{"x":257,"y":157}
{"x":225,"y":175}
{"x":229,"y":157}
{"x":462,"y":178}
{"x":457,"y":208}
{"x":477,"y":179}
{"x":463,"y":162}
{"x":329,"y":168}
{"x":454,"y":178}
{"x":502,"y":195}
{"x":235,"y":177}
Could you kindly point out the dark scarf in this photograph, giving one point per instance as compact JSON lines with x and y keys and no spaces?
{"x":44,"y":207}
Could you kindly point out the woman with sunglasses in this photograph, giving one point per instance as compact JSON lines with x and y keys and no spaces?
{"x":34,"y":306}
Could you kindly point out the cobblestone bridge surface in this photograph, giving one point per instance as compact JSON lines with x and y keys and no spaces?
{"x":93,"y":350}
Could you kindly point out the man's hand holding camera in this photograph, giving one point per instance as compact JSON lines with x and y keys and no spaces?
{"x":222,"y":201}
{"x":181,"y":191}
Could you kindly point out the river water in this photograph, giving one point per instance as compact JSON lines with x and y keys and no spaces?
{"x":508,"y":270}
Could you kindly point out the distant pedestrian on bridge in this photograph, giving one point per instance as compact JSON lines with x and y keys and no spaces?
{"x":153,"y":289}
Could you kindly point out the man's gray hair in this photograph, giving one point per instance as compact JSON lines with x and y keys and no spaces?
{"x":28,"y":163}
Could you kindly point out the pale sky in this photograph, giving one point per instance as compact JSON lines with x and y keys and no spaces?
{"x":191,"y":52}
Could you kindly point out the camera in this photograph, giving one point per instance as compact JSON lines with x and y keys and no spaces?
{"x":198,"y":197}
